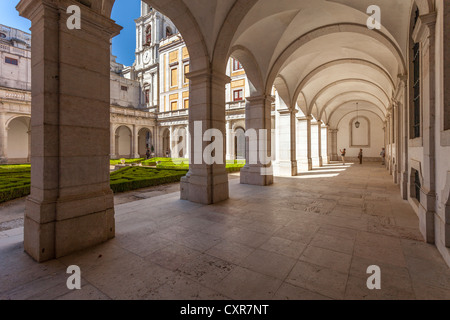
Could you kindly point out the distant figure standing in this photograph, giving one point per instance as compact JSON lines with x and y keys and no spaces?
{"x":383,"y":156}
{"x":343,"y":153}
{"x":148,"y":154}
{"x":360,"y":156}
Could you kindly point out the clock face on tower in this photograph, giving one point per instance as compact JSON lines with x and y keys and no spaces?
{"x":147,"y":57}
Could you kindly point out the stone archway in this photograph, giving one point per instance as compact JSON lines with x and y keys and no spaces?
{"x":145,"y":142}
{"x":18,"y":142}
{"x":124,"y":142}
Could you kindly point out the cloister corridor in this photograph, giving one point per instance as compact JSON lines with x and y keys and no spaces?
{"x":307,"y":237}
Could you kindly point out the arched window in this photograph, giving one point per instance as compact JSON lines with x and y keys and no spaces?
{"x":168,"y":32}
{"x":2,"y":35}
{"x":148,"y":35}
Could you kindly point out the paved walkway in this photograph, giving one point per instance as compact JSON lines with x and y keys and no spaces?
{"x":308,"y":237}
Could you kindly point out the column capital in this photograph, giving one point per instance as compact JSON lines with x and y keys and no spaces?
{"x":425,"y":27}
{"x":260,"y":99}
{"x":32,"y":9}
{"x":206,"y":75}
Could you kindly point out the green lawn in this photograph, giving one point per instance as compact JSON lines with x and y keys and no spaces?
{"x":15,"y":179}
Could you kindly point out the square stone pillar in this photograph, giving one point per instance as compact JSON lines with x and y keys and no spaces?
{"x":319,"y":142}
{"x":71,"y":204}
{"x":302,"y":144}
{"x":324,"y":142}
{"x":286,"y":162}
{"x":3,"y":139}
{"x":315,"y":149}
{"x":258,"y":122}
{"x":424,"y":33}
{"x":230,"y":141}
{"x":135,"y":143}
{"x":333,"y":144}
{"x":206,"y":183}
{"x":112,"y":142}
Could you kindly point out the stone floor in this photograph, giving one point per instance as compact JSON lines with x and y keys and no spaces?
{"x":308,"y":237}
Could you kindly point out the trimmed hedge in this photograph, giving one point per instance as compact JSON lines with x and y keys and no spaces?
{"x":127,"y":161}
{"x":132,"y":178}
{"x":14,"y":182}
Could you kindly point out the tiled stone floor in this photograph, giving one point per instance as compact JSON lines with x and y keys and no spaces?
{"x":308,"y":237}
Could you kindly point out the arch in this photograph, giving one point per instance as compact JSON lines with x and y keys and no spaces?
{"x":123,"y":140}
{"x":331,"y":29}
{"x":314,"y":100}
{"x":18,"y":144}
{"x":235,"y":15}
{"x":282,"y":88}
{"x":252,"y":70}
{"x":239,"y":143}
{"x":327,"y":65}
{"x":354,"y":101}
{"x":145,"y":142}
{"x":166,"y":142}
{"x":339,"y":122}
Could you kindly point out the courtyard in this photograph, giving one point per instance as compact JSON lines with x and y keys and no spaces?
{"x":312,"y":236}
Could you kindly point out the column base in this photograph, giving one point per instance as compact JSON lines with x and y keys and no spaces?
{"x":194,"y":189}
{"x":47,"y":238}
{"x":404,"y":186}
{"x":426,"y":218}
{"x":252,"y":175}
{"x":3,"y":160}
{"x":285,"y":168}
{"x":320,"y":162}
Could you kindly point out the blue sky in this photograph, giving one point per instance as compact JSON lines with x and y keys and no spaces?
{"x":124,"y":13}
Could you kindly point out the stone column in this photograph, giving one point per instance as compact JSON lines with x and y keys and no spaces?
{"x":396,"y":125}
{"x":29,"y":145}
{"x":302,"y":144}
{"x":230,"y":142}
{"x":135,"y":143}
{"x":71,"y":204}
{"x":425,"y":34}
{"x":187,"y":142}
{"x":112,"y":134}
{"x":309,"y":142}
{"x":315,"y":145}
{"x":258,"y":122}
{"x":286,"y":132}
{"x":319,"y":143}
{"x":3,"y":140}
{"x":388,"y":141}
{"x":172,"y":143}
{"x":334,"y":148}
{"x":207,"y":180}
{"x":325,"y":155}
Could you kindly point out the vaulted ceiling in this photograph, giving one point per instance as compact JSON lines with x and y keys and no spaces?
{"x":320,"y":55}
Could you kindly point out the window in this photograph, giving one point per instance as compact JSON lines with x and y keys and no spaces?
{"x":417,"y":185}
{"x":2,"y":35}
{"x":173,"y":77}
{"x":186,"y":103}
{"x":237,"y":66}
{"x":238,"y":95}
{"x":416,"y":90}
{"x":174,"y":105}
{"x":124,"y":88}
{"x":148,"y":36}
{"x":11,"y":61}
{"x":168,"y":32}
{"x":186,"y":71}
{"x":147,"y":96}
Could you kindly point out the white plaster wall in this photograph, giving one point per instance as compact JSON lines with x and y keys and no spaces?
{"x":376,"y":136}
{"x":122,"y":98}
{"x":442,"y":151}
{"x":17,"y":140}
